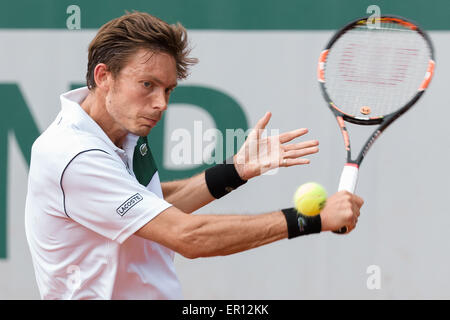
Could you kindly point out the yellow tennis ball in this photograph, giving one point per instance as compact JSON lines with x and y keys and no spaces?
{"x":310,"y":198}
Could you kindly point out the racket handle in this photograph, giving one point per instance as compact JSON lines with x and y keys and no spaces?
{"x":349,"y":178}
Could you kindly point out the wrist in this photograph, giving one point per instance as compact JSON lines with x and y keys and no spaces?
{"x":223,"y":178}
{"x":299,"y":225}
{"x":238,"y":167}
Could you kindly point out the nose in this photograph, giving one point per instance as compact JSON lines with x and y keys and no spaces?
{"x":160,"y":101}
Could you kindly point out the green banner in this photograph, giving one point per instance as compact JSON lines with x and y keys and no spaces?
{"x":224,"y":14}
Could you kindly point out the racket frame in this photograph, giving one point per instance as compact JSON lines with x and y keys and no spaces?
{"x":382,"y":121}
{"x":349,"y":176}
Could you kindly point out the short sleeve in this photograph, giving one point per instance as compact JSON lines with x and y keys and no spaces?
{"x":100,"y":194}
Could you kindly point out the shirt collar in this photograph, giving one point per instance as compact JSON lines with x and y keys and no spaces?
{"x":72,"y":110}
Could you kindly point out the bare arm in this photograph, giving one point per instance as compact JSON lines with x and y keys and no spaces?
{"x":204,"y":235}
{"x":196,"y":236}
{"x":188,"y":194}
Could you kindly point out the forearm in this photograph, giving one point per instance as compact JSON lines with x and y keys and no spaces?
{"x":205,"y":235}
{"x":189,"y":194}
{"x":219,"y":235}
{"x":193,"y":193}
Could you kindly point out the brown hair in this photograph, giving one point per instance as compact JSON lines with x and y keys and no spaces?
{"x":119,"y":38}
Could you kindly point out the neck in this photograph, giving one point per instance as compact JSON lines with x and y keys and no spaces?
{"x":95,"y":107}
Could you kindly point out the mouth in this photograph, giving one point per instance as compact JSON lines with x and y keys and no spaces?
{"x":151,"y":122}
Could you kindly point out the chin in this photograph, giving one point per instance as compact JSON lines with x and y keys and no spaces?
{"x":143,"y":132}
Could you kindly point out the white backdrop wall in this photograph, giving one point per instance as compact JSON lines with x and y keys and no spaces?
{"x":404,"y":223}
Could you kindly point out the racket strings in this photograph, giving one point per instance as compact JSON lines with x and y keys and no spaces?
{"x":371,"y":72}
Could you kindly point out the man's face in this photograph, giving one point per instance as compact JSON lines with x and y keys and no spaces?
{"x":139,"y":94}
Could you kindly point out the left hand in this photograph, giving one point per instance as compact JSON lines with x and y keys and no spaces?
{"x":260,"y":154}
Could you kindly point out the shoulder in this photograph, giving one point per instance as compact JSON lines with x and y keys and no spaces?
{"x":57,"y":148}
{"x":63,"y":143}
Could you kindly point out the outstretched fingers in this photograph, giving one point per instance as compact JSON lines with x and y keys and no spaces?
{"x":293,"y":154}
{"x":293,"y":162}
{"x":291,"y":135}
{"x":300,"y":145}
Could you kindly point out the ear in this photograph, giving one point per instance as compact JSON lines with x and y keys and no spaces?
{"x":102,"y":76}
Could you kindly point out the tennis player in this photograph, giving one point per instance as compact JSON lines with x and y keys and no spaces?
{"x":99,"y":223}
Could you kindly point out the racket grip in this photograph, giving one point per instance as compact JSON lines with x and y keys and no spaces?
{"x":349,"y":178}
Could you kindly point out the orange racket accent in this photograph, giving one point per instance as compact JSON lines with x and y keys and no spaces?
{"x":399,"y":21}
{"x":387,"y":20}
{"x":321,"y":66}
{"x":334,"y":106}
{"x":340,"y":122}
{"x":428,"y":76}
{"x":344,"y":132}
{"x":350,"y":115}
{"x":365,"y":110}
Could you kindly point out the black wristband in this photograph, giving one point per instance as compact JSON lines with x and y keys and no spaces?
{"x":299,"y":224}
{"x":222,"y":178}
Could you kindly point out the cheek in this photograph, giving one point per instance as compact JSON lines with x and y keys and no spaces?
{"x":126,"y":103}
{"x":110,"y":103}
{"x":115,"y":106}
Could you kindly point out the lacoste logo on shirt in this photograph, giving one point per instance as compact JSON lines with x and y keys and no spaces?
{"x":143,"y":149}
{"x":128,"y":204}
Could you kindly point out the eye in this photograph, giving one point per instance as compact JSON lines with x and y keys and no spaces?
{"x":147,"y":84}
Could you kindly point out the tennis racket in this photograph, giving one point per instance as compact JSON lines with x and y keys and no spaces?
{"x":371,"y":72}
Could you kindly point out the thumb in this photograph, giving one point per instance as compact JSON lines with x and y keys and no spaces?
{"x":359,"y":201}
{"x":262,"y":123}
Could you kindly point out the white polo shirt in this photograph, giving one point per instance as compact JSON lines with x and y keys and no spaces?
{"x":86,"y":199}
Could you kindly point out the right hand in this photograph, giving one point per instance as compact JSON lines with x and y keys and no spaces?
{"x":341,"y":209}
